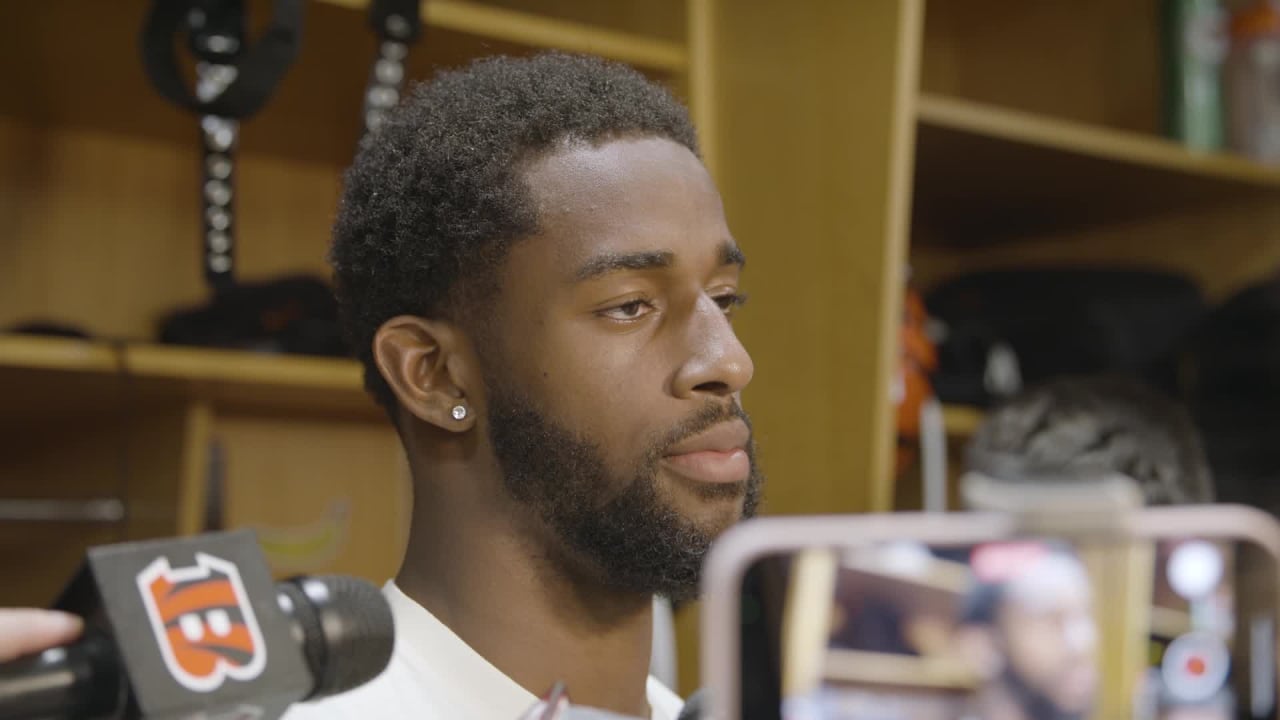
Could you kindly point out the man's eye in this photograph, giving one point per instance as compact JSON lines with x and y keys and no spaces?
{"x":631,"y":310}
{"x":730,"y":301}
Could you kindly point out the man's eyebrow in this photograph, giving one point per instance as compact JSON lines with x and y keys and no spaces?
{"x":613,"y":262}
{"x":731,"y":254}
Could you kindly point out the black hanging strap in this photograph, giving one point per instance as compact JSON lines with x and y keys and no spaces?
{"x":233,"y":81}
{"x":258,"y":68}
{"x":398,"y":24}
{"x":399,"y":19}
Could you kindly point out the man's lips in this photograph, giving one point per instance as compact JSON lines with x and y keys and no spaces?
{"x":712,"y":466}
{"x":716,"y":456}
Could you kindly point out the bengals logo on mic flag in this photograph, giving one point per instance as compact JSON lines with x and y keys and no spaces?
{"x":203,"y":622}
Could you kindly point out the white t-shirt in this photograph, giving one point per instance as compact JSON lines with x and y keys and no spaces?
{"x":435,"y":675}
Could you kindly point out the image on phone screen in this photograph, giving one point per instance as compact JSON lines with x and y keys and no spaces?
{"x":1011,"y":630}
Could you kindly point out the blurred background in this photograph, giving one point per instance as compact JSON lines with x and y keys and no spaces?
{"x":946,"y":205}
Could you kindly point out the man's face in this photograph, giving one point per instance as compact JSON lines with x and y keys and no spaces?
{"x":1050,"y":636}
{"x":613,"y":374}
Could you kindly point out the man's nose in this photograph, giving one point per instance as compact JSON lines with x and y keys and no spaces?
{"x":716,"y":363}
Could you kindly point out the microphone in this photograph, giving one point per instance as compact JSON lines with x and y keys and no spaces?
{"x":195,"y":627}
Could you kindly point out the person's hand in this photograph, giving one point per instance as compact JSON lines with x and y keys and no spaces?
{"x":25,"y":630}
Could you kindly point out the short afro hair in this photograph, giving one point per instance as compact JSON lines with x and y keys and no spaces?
{"x":436,"y":195}
{"x":1077,"y":426}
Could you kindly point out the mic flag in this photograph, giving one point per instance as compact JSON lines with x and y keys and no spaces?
{"x":196,"y":622}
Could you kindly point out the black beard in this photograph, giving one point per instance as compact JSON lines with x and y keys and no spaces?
{"x":1037,"y":704}
{"x":632,"y":541}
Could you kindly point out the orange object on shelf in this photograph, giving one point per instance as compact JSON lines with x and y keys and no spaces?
{"x":917,"y":359}
{"x":1259,"y":19}
{"x":1251,"y":76}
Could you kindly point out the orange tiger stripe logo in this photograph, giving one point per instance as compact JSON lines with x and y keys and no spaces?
{"x":203,"y":622}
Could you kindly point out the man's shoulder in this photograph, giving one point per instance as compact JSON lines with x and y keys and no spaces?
{"x":392,"y":695}
{"x":384,"y":697}
{"x":373,"y":700}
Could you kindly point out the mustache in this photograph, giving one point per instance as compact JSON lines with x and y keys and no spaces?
{"x":711,"y":415}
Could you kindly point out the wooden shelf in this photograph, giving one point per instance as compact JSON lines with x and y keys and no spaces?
{"x":313,"y":117}
{"x":57,"y":379}
{"x":244,"y":368}
{"x":41,"y":353}
{"x":961,"y":421}
{"x":1169,"y":622}
{"x":893,"y":670}
{"x":536,"y":31}
{"x":985,"y":173}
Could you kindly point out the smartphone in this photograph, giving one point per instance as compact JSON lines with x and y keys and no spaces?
{"x":1104,"y":613}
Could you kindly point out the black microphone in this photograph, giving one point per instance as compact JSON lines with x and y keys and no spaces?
{"x":196,"y":627}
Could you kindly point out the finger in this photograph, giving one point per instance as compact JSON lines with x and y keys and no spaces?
{"x":24,"y":631}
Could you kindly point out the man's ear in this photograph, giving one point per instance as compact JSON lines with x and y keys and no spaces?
{"x":426,"y":362}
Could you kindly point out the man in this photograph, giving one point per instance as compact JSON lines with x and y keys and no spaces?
{"x":1029,"y":630}
{"x":534,"y":267}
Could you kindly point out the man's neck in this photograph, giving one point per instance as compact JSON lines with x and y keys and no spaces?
{"x":496,"y":588}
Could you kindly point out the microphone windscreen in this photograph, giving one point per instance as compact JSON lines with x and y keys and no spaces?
{"x":348,"y":631}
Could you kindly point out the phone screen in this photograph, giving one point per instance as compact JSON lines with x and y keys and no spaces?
{"x":1022,"y":629}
